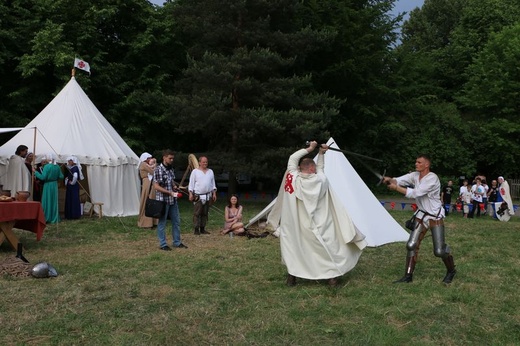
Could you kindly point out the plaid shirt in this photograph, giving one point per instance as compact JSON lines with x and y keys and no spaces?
{"x":165,"y":178}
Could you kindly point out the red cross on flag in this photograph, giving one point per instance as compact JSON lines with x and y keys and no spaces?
{"x":82,"y":65}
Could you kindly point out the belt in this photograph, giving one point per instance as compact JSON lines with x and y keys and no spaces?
{"x":436,"y":222}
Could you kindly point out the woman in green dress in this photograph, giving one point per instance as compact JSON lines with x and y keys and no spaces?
{"x":50,"y":175}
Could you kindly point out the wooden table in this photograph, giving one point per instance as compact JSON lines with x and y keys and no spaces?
{"x":23,"y":215}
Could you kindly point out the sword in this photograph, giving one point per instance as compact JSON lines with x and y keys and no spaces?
{"x":357,"y":156}
{"x":348,"y":152}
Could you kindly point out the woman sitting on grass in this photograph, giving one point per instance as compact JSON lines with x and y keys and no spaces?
{"x":233,"y":217}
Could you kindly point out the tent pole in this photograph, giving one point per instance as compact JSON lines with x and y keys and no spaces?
{"x":31,"y":188}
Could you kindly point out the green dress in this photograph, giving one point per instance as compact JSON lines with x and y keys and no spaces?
{"x":50,"y":175}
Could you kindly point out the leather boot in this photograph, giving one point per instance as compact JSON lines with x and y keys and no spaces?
{"x":203,"y":231}
{"x":196,"y":231}
{"x":450,"y":267}
{"x":408,"y":276}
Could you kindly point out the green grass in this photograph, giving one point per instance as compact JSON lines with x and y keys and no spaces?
{"x":116,"y":288}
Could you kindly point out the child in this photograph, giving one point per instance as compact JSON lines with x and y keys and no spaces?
{"x":466,"y":200}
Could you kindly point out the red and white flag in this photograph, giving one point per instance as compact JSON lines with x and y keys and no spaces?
{"x":82,"y":65}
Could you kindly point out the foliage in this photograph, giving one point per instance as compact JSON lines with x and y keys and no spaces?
{"x":248,"y":82}
{"x":454,"y":52}
{"x":129,"y":50}
{"x":239,"y":93}
{"x":355,"y":66}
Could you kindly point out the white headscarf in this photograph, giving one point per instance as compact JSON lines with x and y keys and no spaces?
{"x":50,"y":157}
{"x":76,"y":162}
{"x":144,"y":156}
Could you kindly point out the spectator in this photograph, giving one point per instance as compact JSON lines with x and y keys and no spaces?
{"x":38,"y":184}
{"x":484,"y":196}
{"x":50,"y":175}
{"x":233,"y":217}
{"x":463,"y":190}
{"x":29,"y":158}
{"x":477,"y":191}
{"x":166,"y":191}
{"x":203,"y":191}
{"x":18,"y":178}
{"x":466,"y":200}
{"x":492,"y":197}
{"x":72,"y":202}
{"x":446,"y":194}
{"x":146,"y":169}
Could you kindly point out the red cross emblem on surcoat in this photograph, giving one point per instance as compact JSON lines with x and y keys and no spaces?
{"x":288,"y":183}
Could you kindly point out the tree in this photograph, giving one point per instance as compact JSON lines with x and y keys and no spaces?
{"x":448,"y":59}
{"x":355,"y":66}
{"x":239,"y":95}
{"x":491,"y":97}
{"x":129,"y":46}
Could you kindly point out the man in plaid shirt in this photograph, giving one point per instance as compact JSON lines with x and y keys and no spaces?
{"x":166,"y":191}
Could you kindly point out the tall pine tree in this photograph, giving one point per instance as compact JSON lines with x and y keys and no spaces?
{"x":240,"y":95}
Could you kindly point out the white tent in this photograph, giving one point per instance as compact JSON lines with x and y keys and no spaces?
{"x":365,"y":210}
{"x":72,"y":125}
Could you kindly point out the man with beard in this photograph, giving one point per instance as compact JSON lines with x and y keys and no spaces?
{"x":18,"y":177}
{"x":166,"y":191}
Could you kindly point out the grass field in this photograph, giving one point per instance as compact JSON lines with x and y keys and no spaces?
{"x":117,"y":288}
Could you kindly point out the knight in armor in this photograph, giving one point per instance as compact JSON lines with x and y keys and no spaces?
{"x":429,"y":216}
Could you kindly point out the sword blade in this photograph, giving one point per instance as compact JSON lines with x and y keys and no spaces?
{"x":355,"y":154}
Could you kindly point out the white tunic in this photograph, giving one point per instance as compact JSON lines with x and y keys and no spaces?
{"x":317,"y":237}
{"x":426,"y":192}
{"x":202,"y":184}
{"x":18,"y":177}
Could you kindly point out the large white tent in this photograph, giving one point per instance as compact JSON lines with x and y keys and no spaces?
{"x":72,"y":125}
{"x":367,"y":213}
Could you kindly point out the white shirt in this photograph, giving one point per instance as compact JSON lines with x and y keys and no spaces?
{"x":202,"y":184}
{"x":463,"y":189}
{"x":477,"y":194}
{"x":426,"y":192}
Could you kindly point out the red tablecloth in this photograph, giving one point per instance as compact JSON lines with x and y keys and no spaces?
{"x":28,"y":216}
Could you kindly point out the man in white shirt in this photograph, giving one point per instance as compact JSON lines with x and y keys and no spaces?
{"x":203,"y":191}
{"x":429,"y":215}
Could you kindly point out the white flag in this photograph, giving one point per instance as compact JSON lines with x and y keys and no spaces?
{"x":82,"y":65}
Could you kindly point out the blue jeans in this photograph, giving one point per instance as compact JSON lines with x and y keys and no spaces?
{"x":171,"y":210}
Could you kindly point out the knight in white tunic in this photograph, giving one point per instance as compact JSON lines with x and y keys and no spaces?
{"x":317,"y":237}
